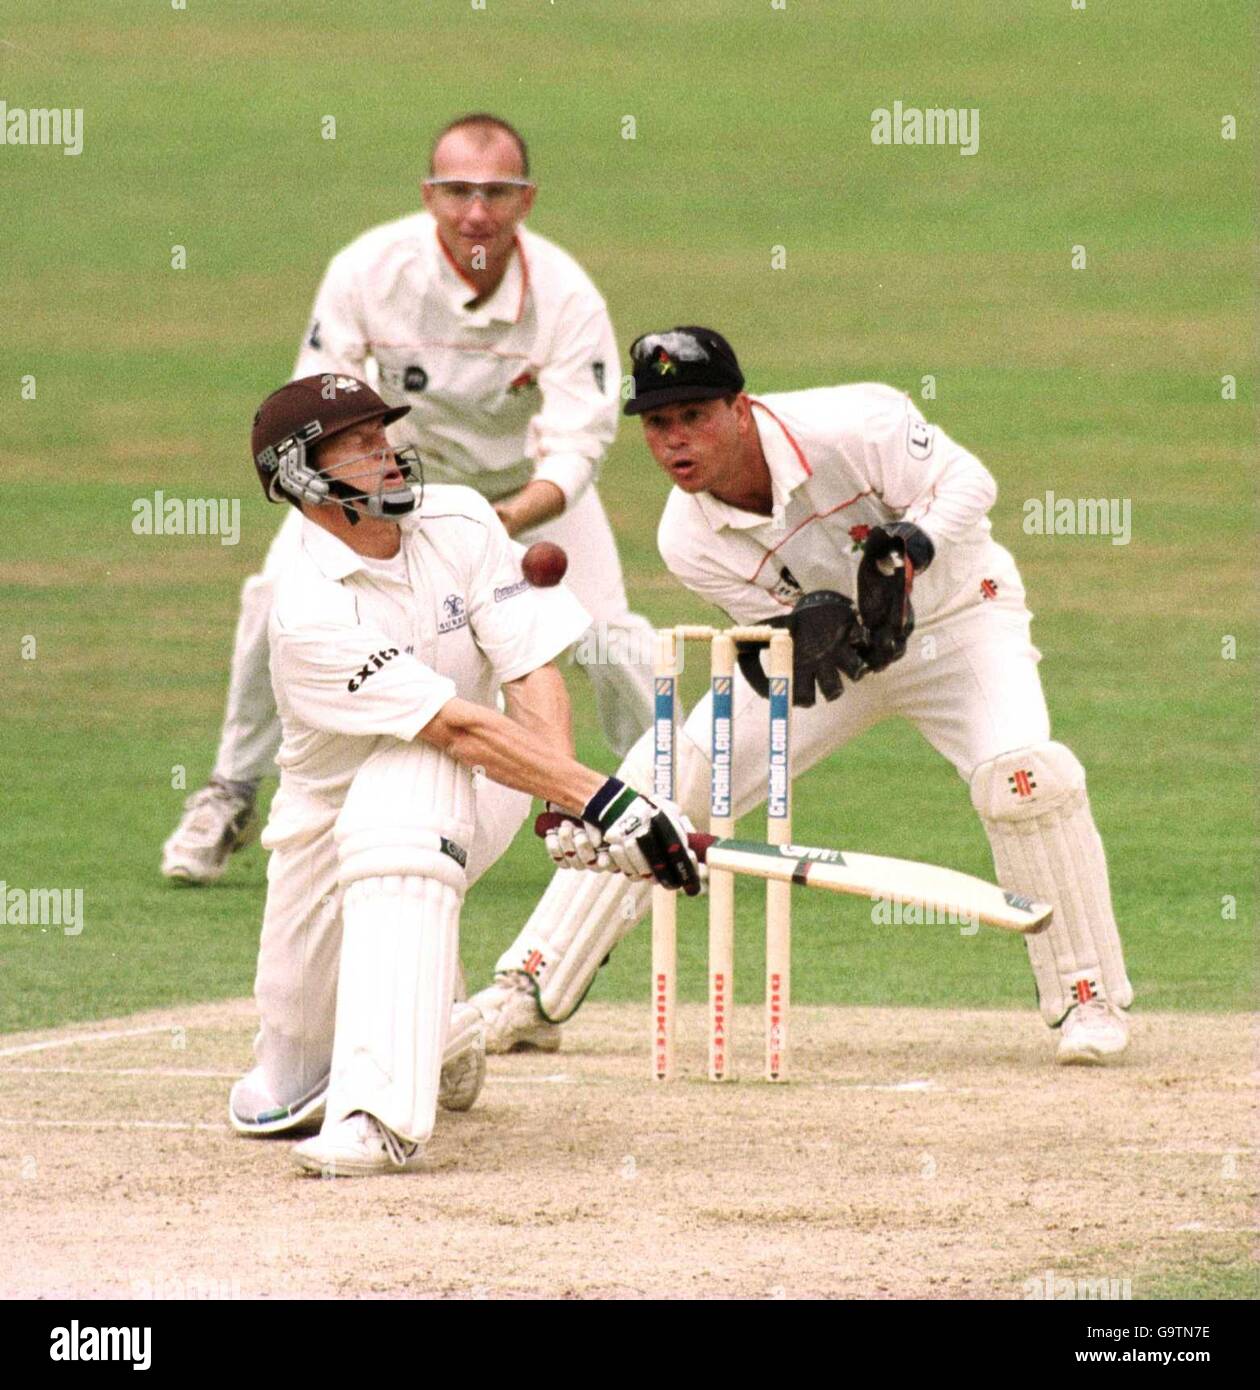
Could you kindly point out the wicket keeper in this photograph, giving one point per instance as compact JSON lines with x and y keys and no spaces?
{"x":776,"y":498}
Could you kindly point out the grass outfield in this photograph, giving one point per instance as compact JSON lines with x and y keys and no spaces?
{"x":1099,"y":128}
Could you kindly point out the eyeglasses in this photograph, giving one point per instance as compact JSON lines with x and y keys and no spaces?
{"x":494,"y":192}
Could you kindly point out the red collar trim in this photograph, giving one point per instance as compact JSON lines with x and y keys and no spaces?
{"x":787,"y":434}
{"x":520,"y":251}
{"x":453,"y":263}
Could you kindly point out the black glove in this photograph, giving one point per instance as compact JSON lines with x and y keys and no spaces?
{"x":825,"y":630}
{"x":892,"y":556}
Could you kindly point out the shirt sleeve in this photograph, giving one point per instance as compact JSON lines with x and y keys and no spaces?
{"x":921,"y":473}
{"x":336,"y":339}
{"x":579,"y":382}
{"x":518,"y":628}
{"x":351,"y":679}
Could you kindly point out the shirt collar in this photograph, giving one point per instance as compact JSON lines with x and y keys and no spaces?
{"x":505,"y":305}
{"x":788,"y":470}
{"x":333,"y":557}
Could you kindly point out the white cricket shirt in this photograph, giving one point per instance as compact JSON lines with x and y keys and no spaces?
{"x":359,"y":654}
{"x":842,"y":459}
{"x":523,"y":386}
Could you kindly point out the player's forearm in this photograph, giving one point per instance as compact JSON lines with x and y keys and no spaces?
{"x":536,"y":502}
{"x":529,"y":762}
{"x":539,"y":703}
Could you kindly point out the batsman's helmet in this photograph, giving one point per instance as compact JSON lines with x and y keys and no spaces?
{"x":303,"y":414}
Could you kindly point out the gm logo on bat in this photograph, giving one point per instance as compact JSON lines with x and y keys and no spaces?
{"x":826,"y":856}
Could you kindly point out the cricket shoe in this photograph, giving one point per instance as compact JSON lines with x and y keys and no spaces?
{"x":1092,"y":1033}
{"x":464,"y":1065}
{"x":513,"y":1020}
{"x":255,"y":1112}
{"x":358,"y":1147}
{"x":215,"y":824}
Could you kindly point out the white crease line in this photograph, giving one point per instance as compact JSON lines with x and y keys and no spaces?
{"x":117,"y":1071}
{"x":1200,"y":1228}
{"x":109,"y":1124}
{"x":85,"y":1038}
{"x":1238,"y":1149}
{"x":559,"y":1079}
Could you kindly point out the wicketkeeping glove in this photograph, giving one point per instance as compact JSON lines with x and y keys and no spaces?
{"x":892,"y":556}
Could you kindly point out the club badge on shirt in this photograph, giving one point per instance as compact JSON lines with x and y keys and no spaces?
{"x":453,"y":607}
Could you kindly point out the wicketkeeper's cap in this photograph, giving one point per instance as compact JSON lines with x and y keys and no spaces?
{"x":682,"y":364}
{"x":312,"y":409}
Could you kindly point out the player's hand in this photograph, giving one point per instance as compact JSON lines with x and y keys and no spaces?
{"x":574,"y":844}
{"x":645,"y":838}
{"x":902,"y":538}
{"x":826,"y":633}
{"x":892,"y":556}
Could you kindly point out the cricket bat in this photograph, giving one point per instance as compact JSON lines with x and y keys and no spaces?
{"x":905,"y":881}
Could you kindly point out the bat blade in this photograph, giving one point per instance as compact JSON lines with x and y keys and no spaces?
{"x":947,"y":891}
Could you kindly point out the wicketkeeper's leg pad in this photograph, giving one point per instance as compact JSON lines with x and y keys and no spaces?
{"x":1035,"y":810}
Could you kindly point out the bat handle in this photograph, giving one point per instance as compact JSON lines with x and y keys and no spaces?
{"x":545,"y":821}
{"x":700,"y":844}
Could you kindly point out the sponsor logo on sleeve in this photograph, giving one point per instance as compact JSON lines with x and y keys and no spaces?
{"x":370,"y":668}
{"x":507,"y":591}
{"x":597,"y":370}
{"x":314,"y":339}
{"x":415,"y":378}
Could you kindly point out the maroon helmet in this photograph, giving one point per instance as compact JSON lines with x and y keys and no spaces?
{"x":303,"y":414}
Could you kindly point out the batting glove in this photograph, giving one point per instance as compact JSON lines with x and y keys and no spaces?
{"x":645,"y":838}
{"x":576,"y":844}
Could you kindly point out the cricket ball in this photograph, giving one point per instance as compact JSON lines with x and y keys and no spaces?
{"x":544,"y":564}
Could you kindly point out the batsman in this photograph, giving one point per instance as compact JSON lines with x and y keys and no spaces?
{"x":401,"y":617}
{"x":843,"y":515}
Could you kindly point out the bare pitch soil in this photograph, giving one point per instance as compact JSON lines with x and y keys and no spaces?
{"x":919,"y":1154}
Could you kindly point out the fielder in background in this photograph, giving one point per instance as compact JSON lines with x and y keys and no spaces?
{"x":775,"y":499}
{"x":400,"y":615}
{"x":503,"y":348}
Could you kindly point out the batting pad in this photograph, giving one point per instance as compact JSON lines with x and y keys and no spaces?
{"x":399,"y":956}
{"x":1035,"y":811}
{"x":401,"y":839}
{"x":568,"y":936}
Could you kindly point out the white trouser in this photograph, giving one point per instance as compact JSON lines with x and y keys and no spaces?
{"x":970,"y":686}
{"x":616,"y":654}
{"x":300,"y":951}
